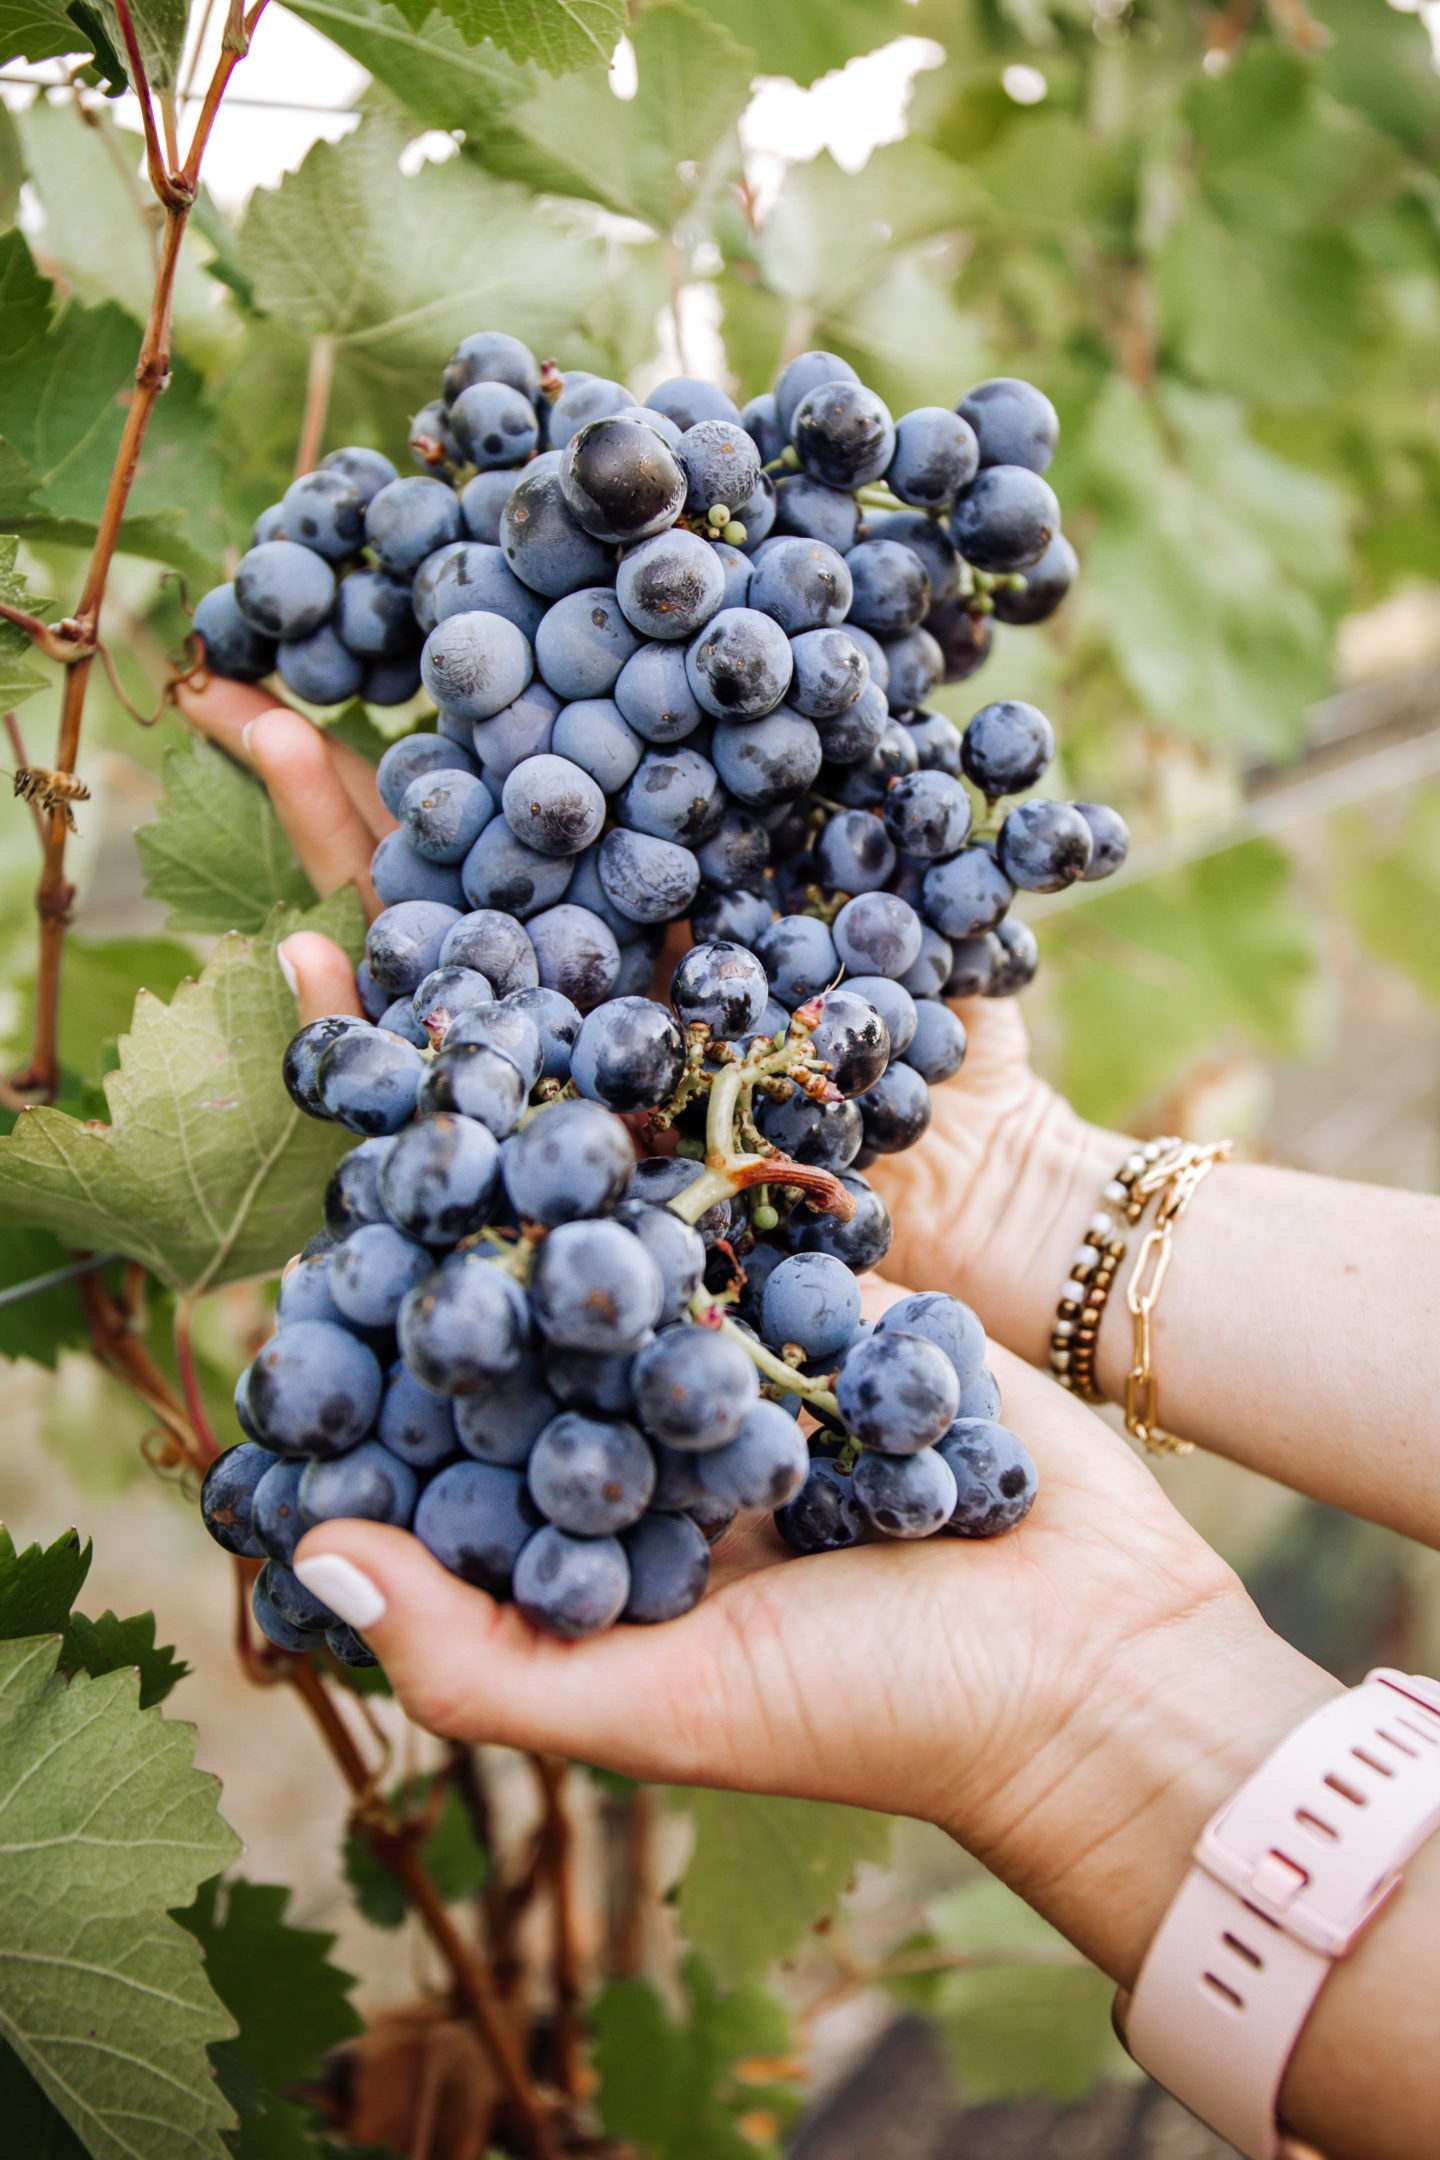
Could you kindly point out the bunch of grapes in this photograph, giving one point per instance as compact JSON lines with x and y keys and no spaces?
{"x":589,"y":1277}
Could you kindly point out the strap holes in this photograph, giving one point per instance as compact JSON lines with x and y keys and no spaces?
{"x":1398,"y":1745}
{"x":1418,"y":1732}
{"x":1346,"y":1792}
{"x":1251,"y":1957}
{"x":1323,"y":1830}
{"x":1381,"y":1769}
{"x":1227,"y":1994}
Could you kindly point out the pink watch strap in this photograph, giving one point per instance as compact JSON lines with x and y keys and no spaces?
{"x":1284,"y":1879}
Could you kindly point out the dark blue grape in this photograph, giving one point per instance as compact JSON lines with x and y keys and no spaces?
{"x":877,"y":933}
{"x":578,"y":953}
{"x":929,"y":972}
{"x":764,"y":1466}
{"x":370,"y":1081}
{"x":648,"y":880}
{"x":936,"y":454}
{"x":465,"y":1328}
{"x":1044,"y":846}
{"x":740,"y":665}
{"x":1006,"y":748}
{"x":477,"y":1082}
{"x":802,"y":585}
{"x":721,"y":985}
{"x":501,"y":874}
{"x":824,"y":1516}
{"x":757,"y":515}
{"x":1020,"y":957}
{"x":583,"y":399}
{"x":348,"y":1648}
{"x":373,"y":999}
{"x":314,"y":1389}
{"x":373,"y":1272}
{"x":227,"y":1497}
{"x":583,"y":642}
{"x":571,"y":1586}
{"x":973,"y":962}
{"x":494,"y":425}
{"x":677,"y":1249}
{"x":445,"y":994}
{"x":761,"y":421}
{"x":522,"y":730}
{"x":669,"y":1563}
{"x":621,"y":480}
{"x":284,"y":1634}
{"x":369,"y":1484}
{"x":587,"y":1380}
{"x":276,"y":1522}
{"x":325,"y":511}
{"x":660,"y":1179}
{"x":399,"y":874}
{"x":937,"y":743}
{"x":300,"y":1067}
{"x":653,"y":693}
{"x":808,"y":510}
{"x":995,"y":1477}
{"x":422,"y":585}
{"x":366,"y":470}
{"x":825,"y":1134}
{"x":770,"y":762}
{"x":399,"y":1019}
{"x":403,"y":944}
{"x":557,"y":1022}
{"x":896,"y":1111}
{"x":669,"y":587}
{"x":595,"y":1287}
{"x":861,"y":1243}
{"x":917,"y":669}
{"x":851,"y":1040}
{"x":472,"y":579}
{"x":721,"y":465}
{"x":928,"y":540}
{"x":891,"y":587}
{"x":688,"y":399}
{"x":233,"y":648}
{"x":628,"y":1055}
{"x":905,"y":1496}
{"x":938,"y":1047}
{"x":477,"y":664}
{"x":543,"y":544}
{"x":843,"y":434}
{"x":591,"y":1476}
{"x":737,"y":917}
{"x":475,"y":1518}
{"x":481,"y":502}
{"x":502,"y":1424}
{"x":964,"y":639}
{"x":413,"y":1424}
{"x":491,"y":356}
{"x":1006,"y":519}
{"x":553,"y":806}
{"x":736,"y":854}
{"x":673,"y":794}
{"x":981,"y":1399}
{"x":414,"y":755}
{"x":444,"y":813}
{"x":830,"y":673}
{"x":353,"y":1193}
{"x":858,"y":732}
{"x":967,"y":895}
{"x":798,"y":955}
{"x":737,"y":568}
{"x":408,"y":520}
{"x":854,"y":853}
{"x":374,"y":616}
{"x":574,"y":1159}
{"x":438,"y":1181}
{"x":694,"y":1388}
{"x":270,"y":525}
{"x":897,"y":1392}
{"x":1014,"y":423}
{"x":495,"y":946}
{"x":594,"y":735}
{"x":1046,"y":584}
{"x":283,"y":590}
{"x":432,"y":446}
{"x":866,"y":783}
{"x":1110,"y":839}
{"x":928,"y":814}
{"x":813,"y":1300}
{"x":944,"y":1321}
{"x":506,"y":1028}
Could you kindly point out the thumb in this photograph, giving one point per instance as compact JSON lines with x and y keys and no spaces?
{"x":320,"y":975}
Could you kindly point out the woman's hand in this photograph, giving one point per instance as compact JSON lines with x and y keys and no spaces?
{"x":1041,"y":1696}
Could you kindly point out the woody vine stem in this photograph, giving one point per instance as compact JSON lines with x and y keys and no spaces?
{"x":75,"y":642}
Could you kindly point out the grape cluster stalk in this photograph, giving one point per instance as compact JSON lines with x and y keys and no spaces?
{"x":586,"y":1288}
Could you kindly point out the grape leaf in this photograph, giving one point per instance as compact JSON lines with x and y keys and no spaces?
{"x":104,"y":1823}
{"x":26,"y":298}
{"x":37,"y":30}
{"x":555,"y":34}
{"x":159,"y":33}
{"x":830,"y":231}
{"x":577,"y":138}
{"x":18,"y":678}
{"x":33,"y":2126}
{"x":39,"y":1585}
{"x":804,"y":42}
{"x":794,"y":1858}
{"x":678,"y":2090}
{"x":457,"y":1864}
{"x":108,"y":1645}
{"x":428,"y":65}
{"x":1025,"y":2027}
{"x":204,"y":886}
{"x":102,"y":980}
{"x":399,"y":270}
{"x":12,"y":173}
{"x":1390,"y":888}
{"x":38,"y":1327}
{"x":208,"y":1173}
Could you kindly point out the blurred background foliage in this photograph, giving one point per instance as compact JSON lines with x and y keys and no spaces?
{"x":1212,"y":234}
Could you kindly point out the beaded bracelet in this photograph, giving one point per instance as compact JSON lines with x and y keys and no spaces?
{"x":1093,"y":1270}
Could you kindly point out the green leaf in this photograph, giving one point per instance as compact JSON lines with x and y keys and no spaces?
{"x":206,"y":887}
{"x":18,"y":679}
{"x":37,"y":30}
{"x":458,"y":1865}
{"x":38,"y":1587}
{"x":804,"y":42}
{"x":830,"y":231}
{"x":159,"y":33}
{"x":33,"y":2126}
{"x":444,"y":81}
{"x":578,"y":138}
{"x":793,"y":1857}
{"x":107,"y":68}
{"x":678,"y":2090}
{"x":290,"y":2002}
{"x":39,"y":1327}
{"x":1173,"y":965}
{"x":26,"y":297}
{"x":102,"y":980}
{"x":208,"y":1173}
{"x":108,"y":1645}
{"x":104,"y":1823}
{"x":12,"y":173}
{"x":398,"y":270}
{"x":1215,"y":567}
{"x":556,"y":34}
{"x":1021,"y":2028}
{"x":1390,"y":887}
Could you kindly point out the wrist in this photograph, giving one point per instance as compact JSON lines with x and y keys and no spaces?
{"x":1096,"y":1825}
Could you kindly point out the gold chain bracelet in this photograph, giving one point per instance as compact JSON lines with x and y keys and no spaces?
{"x":1173,"y":1169}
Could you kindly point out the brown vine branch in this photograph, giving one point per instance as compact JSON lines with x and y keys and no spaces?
{"x":162,"y":180}
{"x":119,"y":1349}
{"x":17,"y":745}
{"x":559,"y":1867}
{"x":190,"y":1379}
{"x":317,"y":403}
{"x":629,"y":1820}
{"x":62,"y":642}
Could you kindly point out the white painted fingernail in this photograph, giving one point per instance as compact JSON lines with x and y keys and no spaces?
{"x":338,"y":1583}
{"x":245,"y":735}
{"x":287,"y":969}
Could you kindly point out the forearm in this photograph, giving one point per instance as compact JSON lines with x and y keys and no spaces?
{"x":1100,"y":1831}
{"x":1299,"y":1327}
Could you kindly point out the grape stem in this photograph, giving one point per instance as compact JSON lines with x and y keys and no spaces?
{"x":773,"y":1367}
{"x":728,"y":1172}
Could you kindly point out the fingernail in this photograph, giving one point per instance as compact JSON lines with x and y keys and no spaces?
{"x":245,"y":735}
{"x":287,"y":968}
{"x":338,"y":1583}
